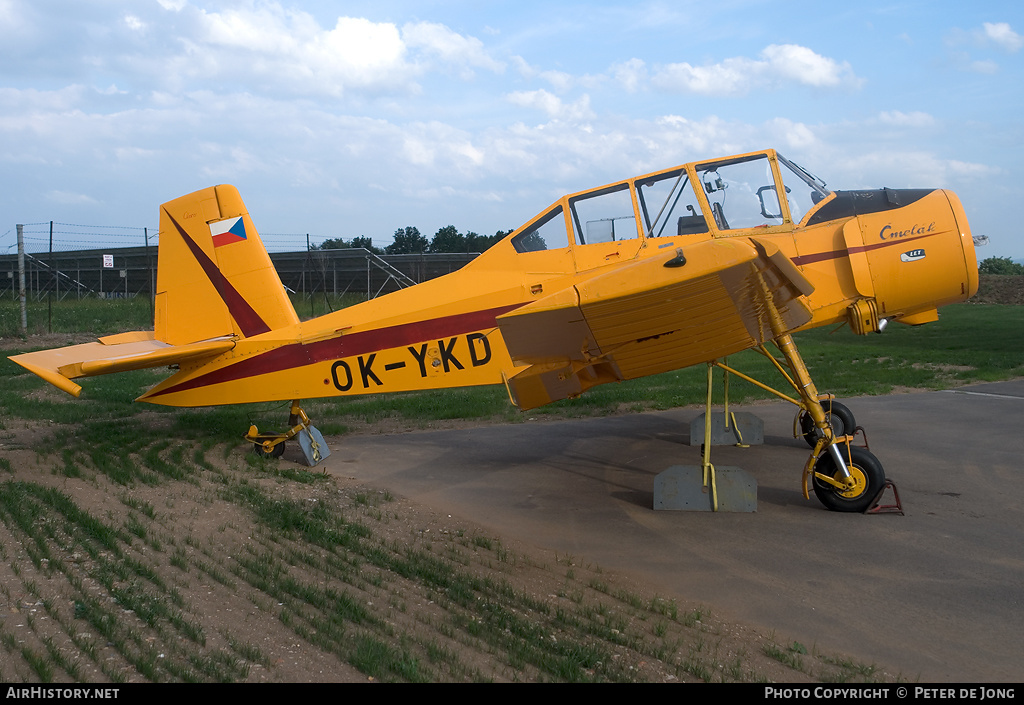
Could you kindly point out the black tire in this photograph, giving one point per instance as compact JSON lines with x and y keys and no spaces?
{"x":840,"y":418}
{"x":866,"y":471}
{"x":275,"y":452}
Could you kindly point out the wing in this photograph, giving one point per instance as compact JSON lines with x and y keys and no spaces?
{"x":115,"y":353}
{"x":651,"y":316}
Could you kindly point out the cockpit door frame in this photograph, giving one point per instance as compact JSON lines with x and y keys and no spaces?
{"x":696,"y":171}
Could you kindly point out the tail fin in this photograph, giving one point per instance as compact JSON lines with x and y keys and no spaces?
{"x":215,"y":277}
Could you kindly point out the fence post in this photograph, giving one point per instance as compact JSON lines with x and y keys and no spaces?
{"x":21,"y":278}
{"x":152,"y":286}
{"x":49,"y":297}
{"x":312,"y":291}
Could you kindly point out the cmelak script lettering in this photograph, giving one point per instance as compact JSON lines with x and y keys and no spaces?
{"x":887,"y":233}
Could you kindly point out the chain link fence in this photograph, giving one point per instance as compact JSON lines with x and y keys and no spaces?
{"x":67,"y":261}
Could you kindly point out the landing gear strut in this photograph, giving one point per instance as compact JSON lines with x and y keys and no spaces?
{"x":839,"y":418}
{"x":273,"y":444}
{"x":845,"y":478}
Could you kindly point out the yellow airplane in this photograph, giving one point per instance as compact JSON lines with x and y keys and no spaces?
{"x":654,"y":273}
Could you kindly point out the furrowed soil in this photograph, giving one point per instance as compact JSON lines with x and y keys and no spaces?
{"x":174,"y":561}
{"x":999,"y":289}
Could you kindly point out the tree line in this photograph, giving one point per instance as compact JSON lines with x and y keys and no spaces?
{"x":408,"y":240}
{"x":1000,"y":265}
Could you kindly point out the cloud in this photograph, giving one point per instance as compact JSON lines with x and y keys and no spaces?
{"x":1003,"y":36}
{"x":10,"y":18}
{"x":991,"y":34}
{"x":438,"y":41}
{"x":292,"y":50}
{"x":778,"y":64}
{"x":67,"y":198}
{"x":265,"y":47}
{"x":802,"y":65}
{"x":438,"y":147}
{"x":788,"y":135}
{"x":559,"y":80}
{"x":631,"y":75}
{"x":523,"y":67}
{"x":903,"y":168}
{"x":134,"y":23}
{"x":987,"y":67}
{"x":301,"y":108}
{"x":20,"y":103}
{"x":731,"y":77}
{"x":900,"y":119}
{"x":231,"y":162}
{"x":552,"y":105}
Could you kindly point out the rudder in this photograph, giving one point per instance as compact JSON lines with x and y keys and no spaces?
{"x":214,"y":276}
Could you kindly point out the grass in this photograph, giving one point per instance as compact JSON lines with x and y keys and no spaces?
{"x":333,"y":576}
{"x":92,"y":315}
{"x":109,"y":316}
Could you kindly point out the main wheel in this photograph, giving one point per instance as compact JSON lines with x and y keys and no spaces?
{"x":839,"y":417}
{"x":867,"y":473}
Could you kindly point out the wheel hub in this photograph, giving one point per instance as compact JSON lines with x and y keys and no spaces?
{"x":859,"y":483}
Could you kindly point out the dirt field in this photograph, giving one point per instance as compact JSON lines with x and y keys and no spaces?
{"x":994,"y":289}
{"x":184,"y":563}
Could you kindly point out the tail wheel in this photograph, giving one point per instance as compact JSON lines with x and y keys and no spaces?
{"x":867,"y":474}
{"x":275,"y":452}
{"x":839,"y":417}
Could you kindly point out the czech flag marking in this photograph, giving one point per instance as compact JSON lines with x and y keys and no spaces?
{"x":225,"y":232}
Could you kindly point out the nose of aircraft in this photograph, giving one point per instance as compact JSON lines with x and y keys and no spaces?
{"x":921,"y":257}
{"x":966,"y":243}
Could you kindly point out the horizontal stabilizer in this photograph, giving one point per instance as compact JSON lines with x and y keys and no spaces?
{"x":116,"y":353}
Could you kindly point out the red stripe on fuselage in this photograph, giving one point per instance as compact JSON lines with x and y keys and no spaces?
{"x":836,"y":254}
{"x":345,"y":346}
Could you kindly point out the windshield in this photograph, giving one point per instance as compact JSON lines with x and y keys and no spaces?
{"x":804,"y":189}
{"x":742,"y":192}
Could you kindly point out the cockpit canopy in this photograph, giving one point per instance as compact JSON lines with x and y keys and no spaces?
{"x":713,"y":198}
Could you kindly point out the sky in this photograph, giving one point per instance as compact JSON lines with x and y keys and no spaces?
{"x":345,"y":119}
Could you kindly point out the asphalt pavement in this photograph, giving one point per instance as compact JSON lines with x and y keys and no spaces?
{"x":936,"y":594}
